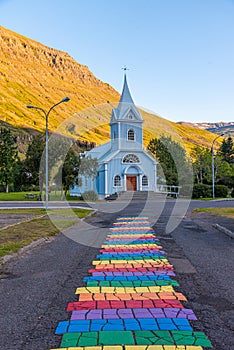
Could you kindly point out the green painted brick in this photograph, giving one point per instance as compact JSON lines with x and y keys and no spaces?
{"x":191,"y":338}
{"x":202,"y":339}
{"x":153,"y":338}
{"x":70,"y":340}
{"x":88,"y":339}
{"x":116,"y":338}
{"x":131,"y":283}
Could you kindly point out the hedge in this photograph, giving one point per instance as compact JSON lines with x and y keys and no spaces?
{"x":205,"y":191}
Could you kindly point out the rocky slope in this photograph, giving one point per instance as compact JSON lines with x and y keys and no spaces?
{"x":217,"y":128}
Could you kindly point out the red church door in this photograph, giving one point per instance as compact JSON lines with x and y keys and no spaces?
{"x":131,"y":183}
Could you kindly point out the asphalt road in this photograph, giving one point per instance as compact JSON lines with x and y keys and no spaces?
{"x":36,"y":287}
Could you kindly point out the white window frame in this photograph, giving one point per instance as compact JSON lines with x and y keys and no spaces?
{"x":133,"y":133}
{"x":145,"y":177}
{"x":119,"y":179}
{"x":128,"y":156}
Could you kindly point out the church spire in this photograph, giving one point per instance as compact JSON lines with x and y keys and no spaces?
{"x":126,"y":96}
{"x":126,"y":109}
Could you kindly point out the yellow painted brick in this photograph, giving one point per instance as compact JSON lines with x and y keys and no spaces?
{"x":120,"y":290}
{"x":158,"y":289}
{"x":93,"y":289}
{"x":142,"y":289}
{"x":107,"y":290}
{"x":136,"y":347}
{"x":111,"y":347}
{"x":78,"y":348}
{"x":81,"y":290}
{"x":173,"y":347}
{"x":156,"y":347}
{"x":193,"y":347}
{"x":118,"y":261}
{"x":96,"y":262}
{"x":130,"y":290}
{"x":90,"y":348}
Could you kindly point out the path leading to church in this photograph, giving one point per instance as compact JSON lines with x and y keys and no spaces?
{"x":131,"y":299}
{"x":36,"y":287}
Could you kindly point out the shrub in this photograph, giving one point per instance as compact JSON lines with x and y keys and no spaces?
{"x":90,"y":196}
{"x":221,"y":191}
{"x":202,"y":191}
{"x":232,"y":193}
{"x":205,"y":191}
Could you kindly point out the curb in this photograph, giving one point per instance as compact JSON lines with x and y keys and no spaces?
{"x":22,"y":222}
{"x":36,"y":243}
{"x":224,"y":230}
{"x":22,"y":250}
{"x":93,"y":212}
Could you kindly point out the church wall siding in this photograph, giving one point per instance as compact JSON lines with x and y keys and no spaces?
{"x":137,"y":143}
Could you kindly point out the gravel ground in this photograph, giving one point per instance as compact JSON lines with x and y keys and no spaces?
{"x":204,"y":266}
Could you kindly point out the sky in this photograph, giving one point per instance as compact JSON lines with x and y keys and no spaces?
{"x":180,"y":53}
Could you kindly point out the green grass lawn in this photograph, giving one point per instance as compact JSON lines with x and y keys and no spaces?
{"x":22,"y":196}
{"x":226,"y":212}
{"x":15,"y":237}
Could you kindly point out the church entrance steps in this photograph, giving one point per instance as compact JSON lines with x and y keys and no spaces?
{"x":140,"y":195}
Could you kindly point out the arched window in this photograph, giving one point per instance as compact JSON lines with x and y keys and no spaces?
{"x":131,"y":135}
{"x":131,"y":158}
{"x":117,"y":181}
{"x":114,"y":135}
{"x":145,"y":180}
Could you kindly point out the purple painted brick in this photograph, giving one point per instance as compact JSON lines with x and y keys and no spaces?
{"x":142,"y":313}
{"x":187,"y":313}
{"x":94,"y":315}
{"x":79,"y":315}
{"x":110,"y":314}
{"x":157,"y":312}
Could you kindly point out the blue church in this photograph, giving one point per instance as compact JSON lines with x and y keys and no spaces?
{"x":123,"y":164}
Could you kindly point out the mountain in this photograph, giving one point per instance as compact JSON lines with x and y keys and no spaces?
{"x":217,"y":128}
{"x":32,"y":73}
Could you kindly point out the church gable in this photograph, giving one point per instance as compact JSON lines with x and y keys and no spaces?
{"x":131,"y":114}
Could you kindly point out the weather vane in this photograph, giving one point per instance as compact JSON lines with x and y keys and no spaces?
{"x":125,"y":68}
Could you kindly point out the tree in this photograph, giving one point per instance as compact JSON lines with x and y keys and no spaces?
{"x":202,"y":160}
{"x":226,"y":150}
{"x":201,"y":164}
{"x":88,"y":167}
{"x":172,"y":158}
{"x":224,"y":172}
{"x":8,"y":158}
{"x":31,"y":165}
{"x":70,"y":170}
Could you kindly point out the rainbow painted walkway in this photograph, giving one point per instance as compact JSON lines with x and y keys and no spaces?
{"x":129,"y":302}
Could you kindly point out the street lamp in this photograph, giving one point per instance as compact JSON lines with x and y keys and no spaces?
{"x":213,"y":173}
{"x":65,"y":99}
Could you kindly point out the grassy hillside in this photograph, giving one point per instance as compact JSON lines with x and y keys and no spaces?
{"x":32,"y":73}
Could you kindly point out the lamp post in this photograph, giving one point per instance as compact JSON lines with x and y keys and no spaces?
{"x":213,"y":172}
{"x":46,"y":114}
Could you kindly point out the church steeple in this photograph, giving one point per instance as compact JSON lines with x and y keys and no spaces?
{"x":126,"y":96}
{"x":126,"y":106}
{"x":126,"y":123}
